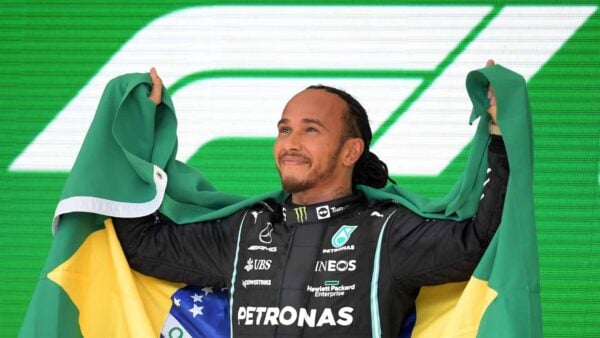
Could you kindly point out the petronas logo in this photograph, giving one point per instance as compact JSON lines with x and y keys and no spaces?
{"x":301,"y":214}
{"x":342,"y":235}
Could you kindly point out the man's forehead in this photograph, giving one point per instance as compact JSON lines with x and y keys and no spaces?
{"x":314,"y":102}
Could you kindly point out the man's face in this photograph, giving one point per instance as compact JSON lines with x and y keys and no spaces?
{"x":309,"y":140}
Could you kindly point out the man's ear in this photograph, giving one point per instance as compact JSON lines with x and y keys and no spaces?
{"x":354,"y":147}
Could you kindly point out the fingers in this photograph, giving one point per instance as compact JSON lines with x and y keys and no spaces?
{"x":154,"y":76}
{"x":492,"y":108}
{"x":156,"y":91}
{"x":491,"y":95}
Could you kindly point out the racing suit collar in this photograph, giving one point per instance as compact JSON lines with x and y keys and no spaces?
{"x":294,"y":214}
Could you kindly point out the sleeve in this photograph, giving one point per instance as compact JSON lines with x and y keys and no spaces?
{"x":436,"y":251}
{"x":194,"y":253}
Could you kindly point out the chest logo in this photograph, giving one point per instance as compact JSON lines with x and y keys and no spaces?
{"x":257,"y":264}
{"x":323,"y":212}
{"x":342,"y":235}
{"x":377,"y":214}
{"x":301,"y":214}
{"x":255,"y":215}
{"x":265,"y":234}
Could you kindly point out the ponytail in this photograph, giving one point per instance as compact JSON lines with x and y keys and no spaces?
{"x":371,"y":171}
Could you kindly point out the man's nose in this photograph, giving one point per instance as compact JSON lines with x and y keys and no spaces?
{"x":293,"y":142}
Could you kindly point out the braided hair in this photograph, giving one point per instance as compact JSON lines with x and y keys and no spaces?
{"x":369,"y":169}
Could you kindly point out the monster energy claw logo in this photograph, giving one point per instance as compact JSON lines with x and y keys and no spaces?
{"x":301,"y":214}
{"x":342,"y":235}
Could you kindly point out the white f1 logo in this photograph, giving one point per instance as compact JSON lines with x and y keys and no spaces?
{"x":421,"y":123}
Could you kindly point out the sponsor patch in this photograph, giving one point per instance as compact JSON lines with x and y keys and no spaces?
{"x":335,"y":210}
{"x":331,"y":288}
{"x":257,"y":264}
{"x":323,"y":212}
{"x":342,"y":248}
{"x":342,"y":235}
{"x":256,"y":282}
{"x":262,"y":248}
{"x":255,"y":215}
{"x":335,"y":265}
{"x":377,"y":214}
{"x":265,"y":234}
{"x":289,"y":315}
{"x":301,"y":214}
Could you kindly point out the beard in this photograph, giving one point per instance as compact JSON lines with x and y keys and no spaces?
{"x":293,"y":185}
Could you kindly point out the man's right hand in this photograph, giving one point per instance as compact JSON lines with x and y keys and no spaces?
{"x":156,"y":92}
{"x":491,"y":96}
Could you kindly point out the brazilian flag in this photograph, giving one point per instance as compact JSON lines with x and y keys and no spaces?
{"x":127,"y":167}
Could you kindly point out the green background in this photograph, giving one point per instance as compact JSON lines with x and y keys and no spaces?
{"x":51,"y":49}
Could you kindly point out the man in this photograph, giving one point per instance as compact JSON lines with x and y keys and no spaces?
{"x":327,"y":262}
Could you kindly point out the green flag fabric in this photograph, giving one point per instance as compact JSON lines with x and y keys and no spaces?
{"x":127,"y":168}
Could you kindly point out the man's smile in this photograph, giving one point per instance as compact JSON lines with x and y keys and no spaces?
{"x":289,"y":159}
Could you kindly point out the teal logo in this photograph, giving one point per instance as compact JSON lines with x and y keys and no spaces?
{"x":342,"y":235}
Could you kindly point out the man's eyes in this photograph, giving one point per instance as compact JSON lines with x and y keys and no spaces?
{"x":287,"y":130}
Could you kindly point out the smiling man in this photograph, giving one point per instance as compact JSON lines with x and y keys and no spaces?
{"x":326,"y":262}
{"x":314,"y":155}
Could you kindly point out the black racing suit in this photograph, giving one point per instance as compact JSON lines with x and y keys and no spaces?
{"x":344,"y":268}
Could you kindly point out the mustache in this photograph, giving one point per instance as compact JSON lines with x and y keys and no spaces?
{"x":294,"y":154}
